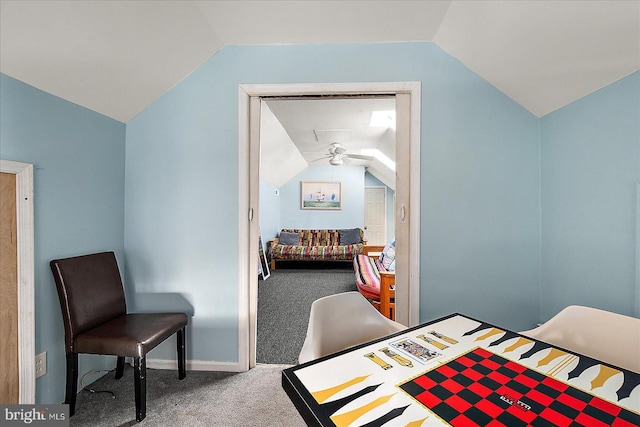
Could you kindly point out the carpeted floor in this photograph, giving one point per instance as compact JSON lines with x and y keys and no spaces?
{"x":219,"y":399}
{"x":211,"y":399}
{"x":284,"y":301}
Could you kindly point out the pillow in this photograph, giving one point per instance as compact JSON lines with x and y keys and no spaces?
{"x":289,"y":239}
{"x":350,"y":237}
{"x":388,"y":256}
{"x":392,"y":267}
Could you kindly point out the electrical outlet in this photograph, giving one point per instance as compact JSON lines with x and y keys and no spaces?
{"x":41,"y":364}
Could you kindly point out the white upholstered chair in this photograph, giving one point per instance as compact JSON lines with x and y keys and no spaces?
{"x":603,"y":335}
{"x":340,"y":321}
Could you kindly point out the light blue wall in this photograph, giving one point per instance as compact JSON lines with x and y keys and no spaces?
{"x":480,"y":192}
{"x":269,"y":200}
{"x":480,"y":223}
{"x":78,"y":159}
{"x":372,"y":181}
{"x":480,"y":185}
{"x":350,"y":216}
{"x":590,"y":154}
{"x":273,"y":207}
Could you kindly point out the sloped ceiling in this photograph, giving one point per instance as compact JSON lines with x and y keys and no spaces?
{"x":277,"y":149}
{"x":117,"y":57}
{"x":298,"y":132}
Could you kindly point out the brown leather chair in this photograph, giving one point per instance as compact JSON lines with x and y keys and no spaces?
{"x":96,"y":321}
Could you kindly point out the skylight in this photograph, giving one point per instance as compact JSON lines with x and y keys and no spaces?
{"x":377,"y":154}
{"x":383,"y":119}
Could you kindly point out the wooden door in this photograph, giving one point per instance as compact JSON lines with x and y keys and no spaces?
{"x":9,"y":373}
{"x":375,"y":216}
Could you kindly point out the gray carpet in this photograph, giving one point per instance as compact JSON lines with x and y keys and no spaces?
{"x":211,"y":399}
{"x":284,"y":301}
{"x":220,"y":399}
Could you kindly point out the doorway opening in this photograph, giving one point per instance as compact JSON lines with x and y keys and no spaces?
{"x":406,"y":210}
{"x":375,"y":215}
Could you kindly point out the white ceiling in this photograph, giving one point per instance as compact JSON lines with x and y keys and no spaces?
{"x":297,"y":132}
{"x":313,"y":124}
{"x":277,"y":149}
{"x":117,"y":57}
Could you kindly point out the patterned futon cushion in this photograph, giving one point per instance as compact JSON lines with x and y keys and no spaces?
{"x":320,"y":237}
{"x":317,"y":245}
{"x":316,"y":253}
{"x":367,"y":276}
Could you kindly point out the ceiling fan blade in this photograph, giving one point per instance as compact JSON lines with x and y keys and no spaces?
{"x":359,"y":156}
{"x":326,"y":156}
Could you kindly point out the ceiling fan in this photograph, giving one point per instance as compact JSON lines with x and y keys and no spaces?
{"x":337,"y":154}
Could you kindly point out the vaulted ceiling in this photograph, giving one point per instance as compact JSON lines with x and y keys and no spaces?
{"x":299,"y":132}
{"x":117,"y":57}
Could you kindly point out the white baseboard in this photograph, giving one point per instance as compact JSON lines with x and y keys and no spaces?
{"x":195,"y":365}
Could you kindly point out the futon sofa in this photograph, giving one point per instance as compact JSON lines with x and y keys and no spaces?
{"x":376,"y":278}
{"x":316,"y":245}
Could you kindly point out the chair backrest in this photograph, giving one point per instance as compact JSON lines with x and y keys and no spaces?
{"x":340,"y":321}
{"x":603,"y":335}
{"x":90,"y":292}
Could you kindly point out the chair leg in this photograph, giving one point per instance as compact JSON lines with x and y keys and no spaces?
{"x":72,"y":382}
{"x":140,"y":382}
{"x":182,"y":354}
{"x":120,"y":367}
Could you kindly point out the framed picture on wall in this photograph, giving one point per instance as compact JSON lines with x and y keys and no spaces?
{"x":321,"y":195}
{"x":263,"y":265}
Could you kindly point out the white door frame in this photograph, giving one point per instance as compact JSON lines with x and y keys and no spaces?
{"x":26,"y":282}
{"x":408,"y":214}
{"x":637,"y":302}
